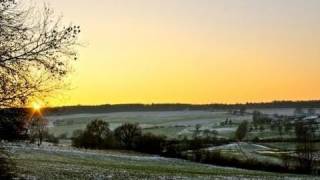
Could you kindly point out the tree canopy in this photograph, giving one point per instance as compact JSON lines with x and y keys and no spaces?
{"x":35,"y":51}
{"x":242,"y":131}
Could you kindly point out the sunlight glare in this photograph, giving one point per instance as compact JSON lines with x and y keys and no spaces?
{"x":36,"y":106}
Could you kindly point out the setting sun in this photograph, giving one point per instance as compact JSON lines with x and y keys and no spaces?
{"x":36,"y":106}
{"x":220,"y":89}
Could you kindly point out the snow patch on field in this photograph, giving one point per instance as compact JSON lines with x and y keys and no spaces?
{"x":235,"y":146}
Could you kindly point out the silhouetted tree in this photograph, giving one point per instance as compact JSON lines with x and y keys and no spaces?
{"x":51,"y":138}
{"x":97,"y":135}
{"x":38,"y":129}
{"x":150,"y":143}
{"x":97,"y":130}
{"x":305,"y":134}
{"x":241,"y":133}
{"x":126,"y":134}
{"x":35,"y":52}
{"x":13,"y":124}
{"x":256,"y":117}
{"x":77,"y":138}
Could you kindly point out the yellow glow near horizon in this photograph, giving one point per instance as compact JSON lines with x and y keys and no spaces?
{"x":194,"y":51}
{"x":36,"y":106}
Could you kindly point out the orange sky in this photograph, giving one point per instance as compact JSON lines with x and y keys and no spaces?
{"x":194,"y":51}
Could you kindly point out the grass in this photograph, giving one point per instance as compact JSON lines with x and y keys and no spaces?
{"x":252,"y":151}
{"x":166,"y":122}
{"x":67,"y":163}
{"x":171,"y":124}
{"x":170,"y":132}
{"x":289,"y":145}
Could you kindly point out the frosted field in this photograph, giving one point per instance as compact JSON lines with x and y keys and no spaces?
{"x":280,"y":111}
{"x":173,"y":124}
{"x":49,"y":162}
{"x":65,"y":162}
{"x":170,"y":123}
{"x":258,"y":152}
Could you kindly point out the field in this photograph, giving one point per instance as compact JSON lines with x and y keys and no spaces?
{"x":170,"y":123}
{"x":173,"y":124}
{"x":51,"y":162}
{"x":65,"y":162}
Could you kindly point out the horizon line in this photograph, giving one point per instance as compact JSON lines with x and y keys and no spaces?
{"x":181,"y":103}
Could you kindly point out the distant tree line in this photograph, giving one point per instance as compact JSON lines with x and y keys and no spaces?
{"x":181,"y":107}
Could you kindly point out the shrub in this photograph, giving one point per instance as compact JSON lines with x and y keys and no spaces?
{"x":13,"y":124}
{"x":216,"y":157}
{"x":242,"y":131}
{"x":52,"y":139}
{"x":176,"y":148}
{"x":97,"y":135}
{"x":126,"y":135}
{"x":150,"y":143}
{"x":77,"y":138}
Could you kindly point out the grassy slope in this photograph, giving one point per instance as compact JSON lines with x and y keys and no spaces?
{"x":169,"y":123}
{"x":66,"y":163}
{"x":166,"y":121}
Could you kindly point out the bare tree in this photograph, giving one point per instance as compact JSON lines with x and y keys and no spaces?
{"x":35,"y":52}
{"x":38,"y":129}
{"x":305,"y":149}
{"x":127,"y":133}
{"x":35,"y":56}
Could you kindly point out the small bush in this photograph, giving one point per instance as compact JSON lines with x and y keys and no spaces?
{"x":216,"y":158}
{"x":77,"y":138}
{"x":150,"y":143}
{"x":52,"y":139}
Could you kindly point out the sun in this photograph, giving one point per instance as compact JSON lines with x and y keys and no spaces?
{"x":36,"y":106}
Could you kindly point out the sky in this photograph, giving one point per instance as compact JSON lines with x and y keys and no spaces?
{"x":193,"y":51}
